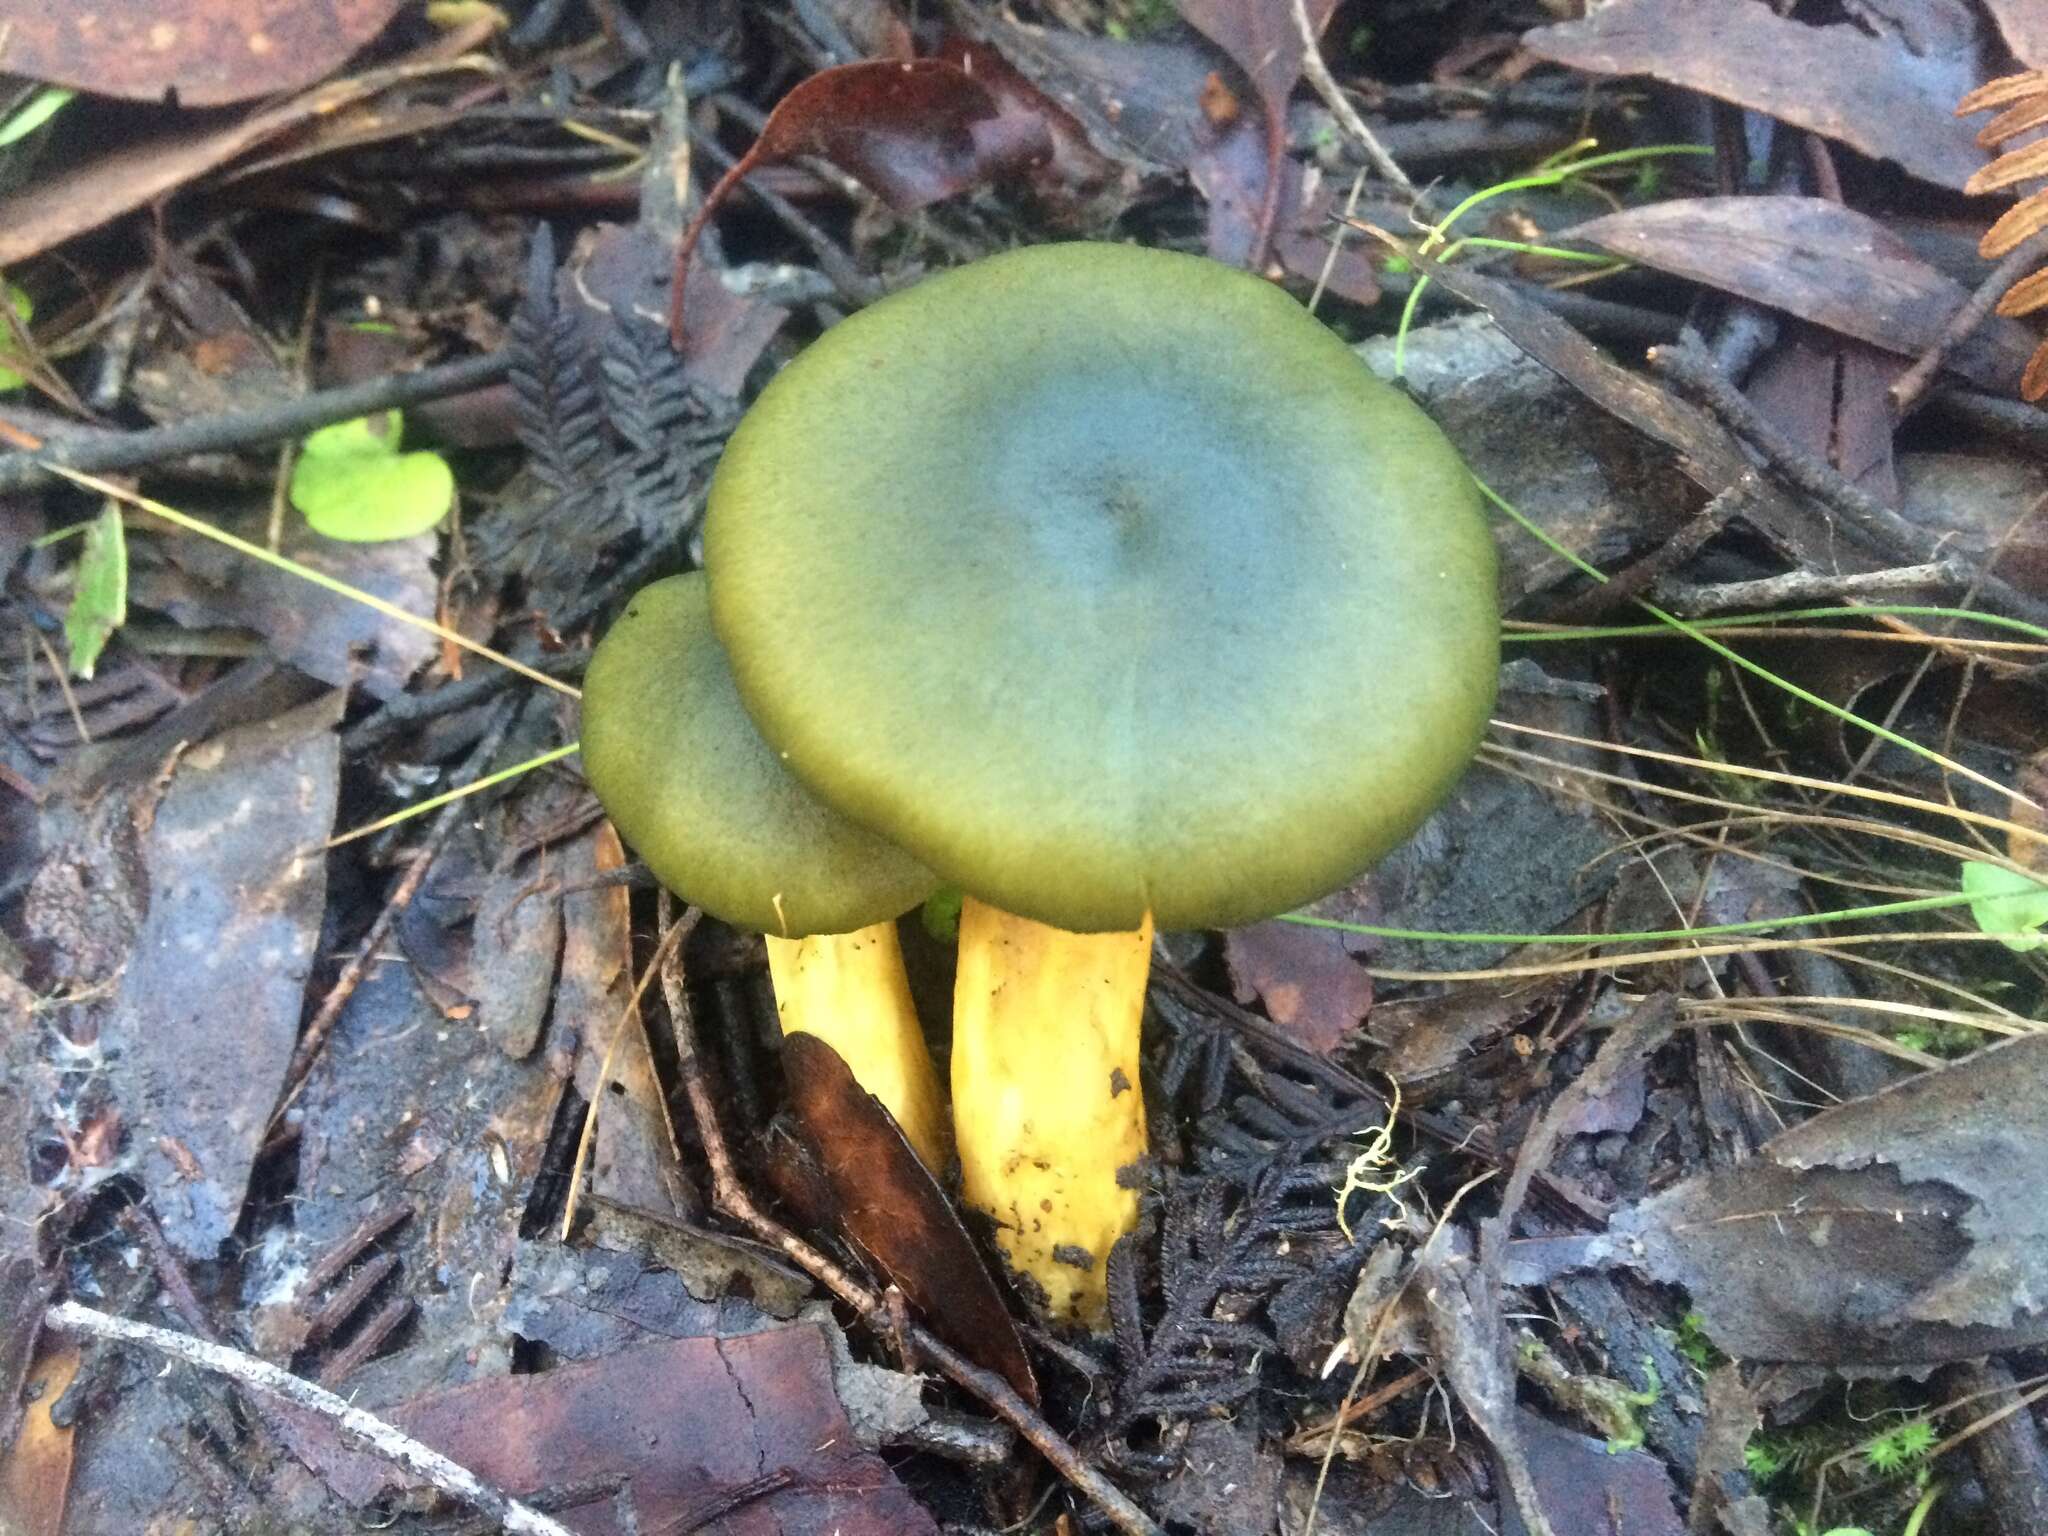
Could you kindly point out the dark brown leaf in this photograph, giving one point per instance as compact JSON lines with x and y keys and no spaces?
{"x":739,"y":1435}
{"x":633,"y":1159}
{"x":890,"y":1204}
{"x":1830,"y":395}
{"x":1820,"y":261}
{"x":52,"y":210}
{"x":1584,"y":1486}
{"x":1311,"y":986}
{"x":912,"y":133}
{"x":1073,"y":168}
{"x":1262,"y":39}
{"x":206,"y":53}
{"x":1837,"y":81}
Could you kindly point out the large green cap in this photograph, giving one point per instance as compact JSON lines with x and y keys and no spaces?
{"x":705,"y":801}
{"x":1105,"y":579}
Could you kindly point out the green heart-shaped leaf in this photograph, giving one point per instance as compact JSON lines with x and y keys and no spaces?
{"x":352,"y":482}
{"x":2005,"y":901}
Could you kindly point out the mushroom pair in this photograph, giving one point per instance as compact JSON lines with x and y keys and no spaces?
{"x":1111,"y":587}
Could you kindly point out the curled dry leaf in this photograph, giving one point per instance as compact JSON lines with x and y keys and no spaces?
{"x":2024,"y":98}
{"x":912,"y":132}
{"x":890,"y":1205}
{"x":205,"y":53}
{"x":706,"y":1433}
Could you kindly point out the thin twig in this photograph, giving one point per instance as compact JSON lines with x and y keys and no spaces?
{"x":1631,"y":580}
{"x":315,"y":1036}
{"x":1326,"y":86}
{"x":1687,"y":364}
{"x":261,"y":1376}
{"x":729,"y":1193}
{"x":409,"y":709}
{"x":1801,"y":588}
{"x":112,"y":452}
{"x":1907,"y":389}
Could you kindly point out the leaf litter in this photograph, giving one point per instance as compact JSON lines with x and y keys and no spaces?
{"x":362,"y":1090}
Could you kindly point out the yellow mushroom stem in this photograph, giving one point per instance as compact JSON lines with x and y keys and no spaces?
{"x":1046,"y":1104}
{"x":850,"y":990}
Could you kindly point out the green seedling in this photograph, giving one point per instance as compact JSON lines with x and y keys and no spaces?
{"x":353,"y":482}
{"x":2006,"y":902}
{"x":99,"y":593}
{"x":1901,"y":1448}
{"x":1559,"y":170}
{"x":24,"y":310}
{"x":1692,"y":1342}
{"x":33,"y":113}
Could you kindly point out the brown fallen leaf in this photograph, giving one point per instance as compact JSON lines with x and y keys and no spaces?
{"x":891,"y":1206}
{"x":1831,"y":395}
{"x":202,"y":1022}
{"x":1898,"y":1229}
{"x":340,"y":641}
{"x":741,"y":1435}
{"x":1311,"y":986}
{"x":200,"y":53}
{"x":1263,"y":39}
{"x":54,"y":209}
{"x":633,"y":1159}
{"x":35,"y":1470}
{"x":1586,"y":1485}
{"x":1827,"y":264}
{"x":1875,"y":95}
{"x":1074,"y":170}
{"x":912,"y":132}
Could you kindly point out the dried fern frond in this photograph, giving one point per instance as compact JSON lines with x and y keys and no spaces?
{"x":2023,"y":99}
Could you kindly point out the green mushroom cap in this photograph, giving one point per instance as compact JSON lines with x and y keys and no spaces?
{"x":1104,"y":580}
{"x":705,"y":801}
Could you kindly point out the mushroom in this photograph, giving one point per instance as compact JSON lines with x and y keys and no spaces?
{"x":1117,"y":590}
{"x":712,"y":811}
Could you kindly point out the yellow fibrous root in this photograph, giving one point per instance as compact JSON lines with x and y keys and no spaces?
{"x":849,"y":989}
{"x":1046,"y":1104}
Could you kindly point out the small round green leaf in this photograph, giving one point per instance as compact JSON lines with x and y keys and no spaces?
{"x":353,"y":483}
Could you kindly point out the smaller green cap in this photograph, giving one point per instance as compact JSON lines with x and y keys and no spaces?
{"x":705,"y":801}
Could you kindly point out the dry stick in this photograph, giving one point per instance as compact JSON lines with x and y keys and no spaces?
{"x":1801,"y":588}
{"x":315,"y":1036}
{"x":1326,"y":86}
{"x":292,"y":1425}
{"x":730,"y":1195}
{"x":109,"y":452}
{"x":1686,"y":364}
{"x":1907,"y":389}
{"x":261,"y":1376}
{"x":1631,"y":580}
